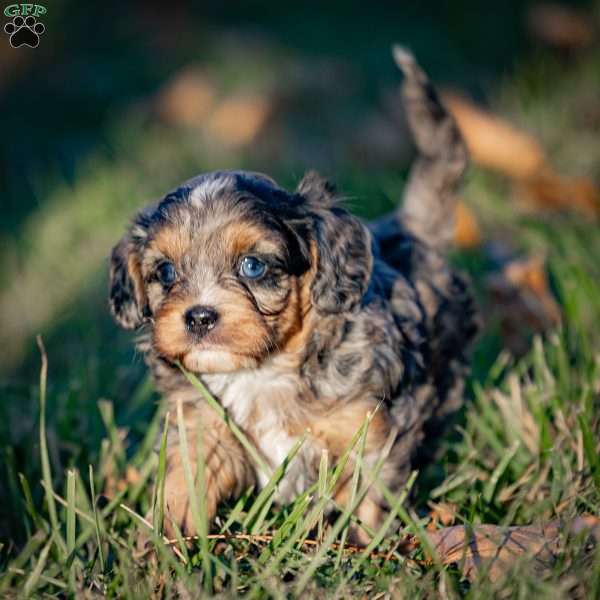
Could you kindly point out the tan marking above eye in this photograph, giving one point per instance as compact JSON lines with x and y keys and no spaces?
{"x":228,"y":240}
{"x":172,"y":243}
{"x":242,"y":237}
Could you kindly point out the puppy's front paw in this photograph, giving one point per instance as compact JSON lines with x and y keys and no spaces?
{"x":178,"y":508}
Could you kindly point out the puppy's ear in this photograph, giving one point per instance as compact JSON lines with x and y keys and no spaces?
{"x":343,"y":245}
{"x":127,"y":298}
{"x":316,"y":190}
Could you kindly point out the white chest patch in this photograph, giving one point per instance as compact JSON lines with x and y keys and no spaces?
{"x":263,"y":403}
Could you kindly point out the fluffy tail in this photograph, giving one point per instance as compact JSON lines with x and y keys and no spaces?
{"x":431,"y":193}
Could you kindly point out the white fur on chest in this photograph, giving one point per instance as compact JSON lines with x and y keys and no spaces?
{"x":263,"y":403}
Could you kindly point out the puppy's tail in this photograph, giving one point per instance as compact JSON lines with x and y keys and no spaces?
{"x":431,"y":193}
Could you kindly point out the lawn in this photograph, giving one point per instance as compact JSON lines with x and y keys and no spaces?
{"x":94,"y":133}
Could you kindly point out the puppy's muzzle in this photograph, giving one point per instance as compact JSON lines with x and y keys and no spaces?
{"x":199,"y":320}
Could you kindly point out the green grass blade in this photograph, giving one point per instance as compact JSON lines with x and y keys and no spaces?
{"x":96,"y":520}
{"x":71,"y":505}
{"x":151,"y":433}
{"x":165,"y":552}
{"x":312,"y":519}
{"x":144,"y":475}
{"x":29,"y":502}
{"x":187,"y":468}
{"x":286,"y":527}
{"x":490,"y":488}
{"x":589,"y":447}
{"x":337,"y":527}
{"x":235,"y":430}
{"x":413,"y":527}
{"x":32,"y":545}
{"x":354,"y":487}
{"x":71,"y":526}
{"x":158,"y":502}
{"x":322,"y":489}
{"x":267,"y":493}
{"x":34,"y":578}
{"x":237,"y":510}
{"x":46,"y":470}
{"x":107,"y":413}
{"x":378,"y":537}
{"x":202,"y":510}
{"x":180,"y":542}
{"x":197,"y":506}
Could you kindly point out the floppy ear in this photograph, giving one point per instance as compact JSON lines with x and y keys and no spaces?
{"x":343,"y":244}
{"x":127,"y":298}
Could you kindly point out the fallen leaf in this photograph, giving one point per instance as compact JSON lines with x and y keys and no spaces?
{"x":560,"y":26}
{"x":493,"y":549}
{"x":187,"y":98}
{"x":522,"y":300}
{"x":497,"y":145}
{"x":442,"y":512}
{"x":493,"y":142}
{"x":547,"y":190}
{"x":466,"y":229}
{"x":238,"y":120}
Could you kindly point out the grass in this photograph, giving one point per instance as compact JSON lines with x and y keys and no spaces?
{"x":524,"y":450}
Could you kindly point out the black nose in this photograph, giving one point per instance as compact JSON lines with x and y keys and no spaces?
{"x":200,"y":319}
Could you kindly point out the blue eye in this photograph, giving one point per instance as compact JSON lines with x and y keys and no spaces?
{"x":166,"y":273}
{"x":252,"y":268}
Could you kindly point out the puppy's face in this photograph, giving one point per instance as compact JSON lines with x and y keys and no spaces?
{"x":224,"y":270}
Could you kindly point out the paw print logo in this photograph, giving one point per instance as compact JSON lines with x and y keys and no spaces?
{"x":24,"y":31}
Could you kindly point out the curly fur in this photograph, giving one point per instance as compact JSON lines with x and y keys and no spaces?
{"x":349,"y":319}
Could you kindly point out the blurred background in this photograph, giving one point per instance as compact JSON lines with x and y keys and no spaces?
{"x":121,"y":102}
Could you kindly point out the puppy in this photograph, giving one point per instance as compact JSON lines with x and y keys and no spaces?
{"x":298,"y":317}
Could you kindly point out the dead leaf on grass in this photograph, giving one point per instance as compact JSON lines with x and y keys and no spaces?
{"x":522,"y":300}
{"x":187,"y":98}
{"x":493,"y":142}
{"x":496,"y":144}
{"x":444,"y":513}
{"x":237,"y":120}
{"x":548,"y":190}
{"x":493,"y":549}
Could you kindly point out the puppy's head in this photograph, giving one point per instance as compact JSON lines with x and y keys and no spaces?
{"x":225,"y":270}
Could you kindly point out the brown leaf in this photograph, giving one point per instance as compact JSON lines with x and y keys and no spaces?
{"x":442,"y":512}
{"x":187,"y":98}
{"x":493,"y":142}
{"x":521,"y":298}
{"x":466,"y":229}
{"x":547,"y":190}
{"x":560,"y":26}
{"x":496,"y":144}
{"x":494,"y":549}
{"x":238,"y":120}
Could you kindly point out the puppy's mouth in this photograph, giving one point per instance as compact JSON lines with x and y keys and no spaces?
{"x":210,"y":354}
{"x":216,"y":359}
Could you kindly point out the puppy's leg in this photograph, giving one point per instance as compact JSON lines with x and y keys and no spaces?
{"x":228,"y":470}
{"x":335,"y":432}
{"x":435,"y":177}
{"x":370,"y":511}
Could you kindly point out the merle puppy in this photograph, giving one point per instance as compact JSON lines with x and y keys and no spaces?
{"x":300,"y":318}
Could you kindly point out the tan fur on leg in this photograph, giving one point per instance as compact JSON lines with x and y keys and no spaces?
{"x":228,"y":471}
